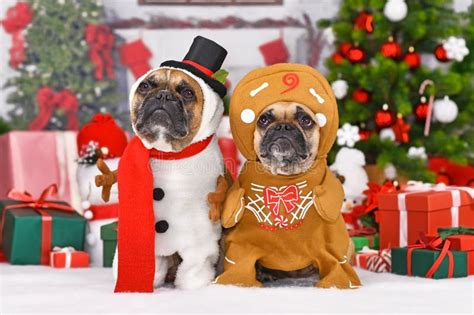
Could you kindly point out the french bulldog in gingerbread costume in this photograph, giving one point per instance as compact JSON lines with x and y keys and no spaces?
{"x":170,"y":179}
{"x":285,"y":206}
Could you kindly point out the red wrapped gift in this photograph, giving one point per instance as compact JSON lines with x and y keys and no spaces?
{"x":31,"y":160}
{"x":68,"y":257}
{"x":464,"y":243}
{"x":373,"y":260}
{"x":422,"y":209}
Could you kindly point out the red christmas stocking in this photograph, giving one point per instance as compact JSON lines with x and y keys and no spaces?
{"x":135,"y":56}
{"x":274,"y":52}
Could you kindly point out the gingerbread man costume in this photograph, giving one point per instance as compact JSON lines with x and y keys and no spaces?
{"x":285,"y":222}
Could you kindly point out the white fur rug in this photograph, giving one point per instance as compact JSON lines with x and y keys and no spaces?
{"x":40,"y":289}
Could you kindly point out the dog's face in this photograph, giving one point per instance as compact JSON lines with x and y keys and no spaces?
{"x":286,"y":138}
{"x":167,"y":108}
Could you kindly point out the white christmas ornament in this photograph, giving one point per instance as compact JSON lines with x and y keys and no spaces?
{"x":387,"y":134}
{"x":417,"y":153}
{"x":445,"y":110}
{"x":329,"y":36}
{"x":348,"y":135}
{"x":340,"y":87}
{"x":390,"y":171}
{"x":456,"y":48}
{"x":395,"y":10}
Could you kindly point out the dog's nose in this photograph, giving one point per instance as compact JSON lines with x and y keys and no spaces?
{"x":165,"y":96}
{"x":284,"y":127}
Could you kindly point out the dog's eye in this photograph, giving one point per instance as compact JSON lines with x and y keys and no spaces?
{"x":306,"y":121}
{"x":263,"y":121}
{"x":144,"y":87}
{"x":187,"y":93}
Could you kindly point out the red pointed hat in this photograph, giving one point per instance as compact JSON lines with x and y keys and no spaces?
{"x":102,"y":129}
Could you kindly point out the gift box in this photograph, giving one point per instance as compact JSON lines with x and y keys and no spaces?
{"x":68,"y":257}
{"x":370,"y":241}
{"x":433,"y":260}
{"x":461,"y":239}
{"x":55,"y":154}
{"x":422,"y":209}
{"x":29,"y":228}
{"x":373,"y":260}
{"x":108,"y":234}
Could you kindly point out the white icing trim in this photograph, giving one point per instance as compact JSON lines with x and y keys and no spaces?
{"x":259,"y":89}
{"x":230,"y":261}
{"x":247,"y":115}
{"x":321,"y":119}
{"x":240,"y":210}
{"x":318,"y":97}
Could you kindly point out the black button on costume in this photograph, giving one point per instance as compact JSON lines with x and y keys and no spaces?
{"x":161,"y":226}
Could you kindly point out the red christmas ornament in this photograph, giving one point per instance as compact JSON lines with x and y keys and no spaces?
{"x":355,"y":54}
{"x":412,"y":58}
{"x":364,"y":133}
{"x":384,"y":118}
{"x":401,"y":130}
{"x":337,"y":58}
{"x":364,"y":21}
{"x":440,"y":53}
{"x":391,"y":49}
{"x":361,"y":96}
{"x":344,"y":48}
{"x":421,"y":109}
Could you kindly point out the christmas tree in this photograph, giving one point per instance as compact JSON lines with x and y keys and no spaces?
{"x":386,"y":51}
{"x":63,"y":59}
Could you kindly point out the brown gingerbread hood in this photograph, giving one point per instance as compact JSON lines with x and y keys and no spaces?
{"x":282,"y":82}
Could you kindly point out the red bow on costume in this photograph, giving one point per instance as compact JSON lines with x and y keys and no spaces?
{"x":101,"y":41}
{"x":17,"y":19}
{"x":48,"y":101}
{"x":27,"y":201}
{"x":435,"y":244}
{"x":289,"y":196}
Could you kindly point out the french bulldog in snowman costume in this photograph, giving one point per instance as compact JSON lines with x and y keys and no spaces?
{"x":170,"y":178}
{"x":100,"y":138}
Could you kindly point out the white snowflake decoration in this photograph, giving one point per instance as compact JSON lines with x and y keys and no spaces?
{"x":456,"y":48}
{"x":348,"y":135}
{"x":417,"y":153}
{"x":340,"y":88}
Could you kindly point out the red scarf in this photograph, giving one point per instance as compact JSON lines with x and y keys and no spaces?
{"x":136,"y":229}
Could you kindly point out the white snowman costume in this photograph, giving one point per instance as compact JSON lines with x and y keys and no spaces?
{"x":180,"y":202}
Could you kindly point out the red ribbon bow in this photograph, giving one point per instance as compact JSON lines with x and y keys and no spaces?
{"x":435,"y":244}
{"x":17,"y":19}
{"x":101,"y":41}
{"x":48,"y":101}
{"x":289,"y":196}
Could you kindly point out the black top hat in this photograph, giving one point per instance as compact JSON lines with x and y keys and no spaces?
{"x":203,"y":59}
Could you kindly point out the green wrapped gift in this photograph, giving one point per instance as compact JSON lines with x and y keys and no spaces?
{"x":423,"y":259}
{"x":28,"y":234}
{"x":108,"y":234}
{"x":370,"y":241}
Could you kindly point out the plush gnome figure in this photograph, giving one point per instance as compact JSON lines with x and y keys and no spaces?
{"x":100,"y":138}
{"x":165,"y":204}
{"x":349,"y":167}
{"x":285,"y":222}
